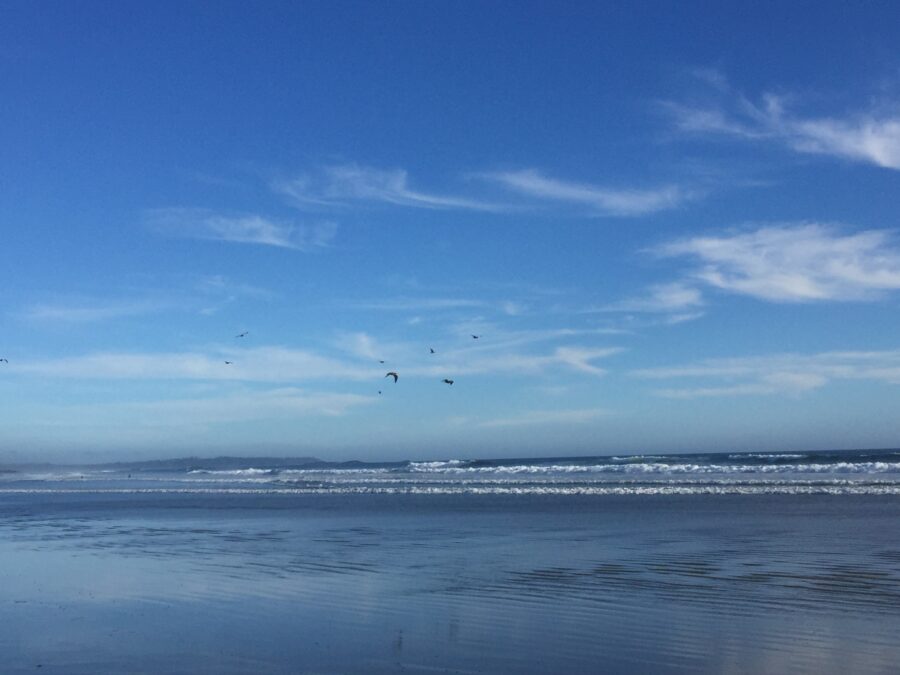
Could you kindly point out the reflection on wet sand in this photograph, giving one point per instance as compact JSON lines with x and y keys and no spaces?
{"x":375,"y":584}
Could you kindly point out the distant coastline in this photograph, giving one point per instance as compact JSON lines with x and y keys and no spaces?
{"x":234,"y":462}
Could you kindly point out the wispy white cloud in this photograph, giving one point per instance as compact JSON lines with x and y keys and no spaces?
{"x":686,"y":393}
{"x":282,"y":403}
{"x":512,"y":353}
{"x":204,"y":294}
{"x":421,"y":304}
{"x":360,"y":345}
{"x":791,"y":374}
{"x":218,"y":291}
{"x":286,"y":365}
{"x":580,"y":358}
{"x":185,"y":414}
{"x":345,"y":184}
{"x":498,"y":351}
{"x":667,"y":304}
{"x":865,"y":139}
{"x":86,"y":311}
{"x":241,"y":229}
{"x":871,"y":136}
{"x":675,"y":297}
{"x":443,"y":304}
{"x":512,"y":308}
{"x":601,"y":200}
{"x":263,"y":364}
{"x":342,"y":184}
{"x":500,"y":338}
{"x":492,"y":361}
{"x":681,"y":317}
{"x":541,"y":417}
{"x":794,"y":263}
{"x":221,"y":285}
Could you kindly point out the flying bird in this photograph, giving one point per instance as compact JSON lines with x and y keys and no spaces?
{"x":446,"y":381}
{"x":381,"y":362}
{"x":4,"y":360}
{"x":229,"y":363}
{"x":431,"y":350}
{"x":244,"y":334}
{"x":393,"y":374}
{"x":475,"y":337}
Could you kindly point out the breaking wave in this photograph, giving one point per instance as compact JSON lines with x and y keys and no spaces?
{"x":234,"y":472}
{"x":836,"y":472}
{"x":661,"y":468}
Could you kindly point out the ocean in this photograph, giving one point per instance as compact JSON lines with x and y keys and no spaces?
{"x":702,"y":563}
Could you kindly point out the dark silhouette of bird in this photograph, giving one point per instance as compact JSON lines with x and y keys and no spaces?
{"x":381,"y":362}
{"x":229,"y":363}
{"x":4,"y":360}
{"x":475,"y":337}
{"x":244,"y":334}
{"x":446,"y":381}
{"x":431,"y":350}
{"x":393,"y":374}
{"x":379,"y":391}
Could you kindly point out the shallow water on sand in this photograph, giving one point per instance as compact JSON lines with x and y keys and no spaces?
{"x":369,"y":583}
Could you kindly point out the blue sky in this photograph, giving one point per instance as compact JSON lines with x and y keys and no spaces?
{"x":674,"y":228}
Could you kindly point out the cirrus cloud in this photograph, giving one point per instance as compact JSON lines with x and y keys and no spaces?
{"x":339,"y":185}
{"x":602,"y":200}
{"x":870,"y":136}
{"x":791,"y":374}
{"x":198,"y":223}
{"x":794,"y":262}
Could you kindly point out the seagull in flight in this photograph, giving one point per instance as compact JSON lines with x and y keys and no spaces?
{"x":475,"y":337}
{"x":244,"y":334}
{"x":229,"y":363}
{"x":394,"y":375}
{"x":4,"y":360}
{"x":446,"y":381}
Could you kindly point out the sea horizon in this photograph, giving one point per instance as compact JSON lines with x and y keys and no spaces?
{"x":306,"y":459}
{"x":860,"y":472}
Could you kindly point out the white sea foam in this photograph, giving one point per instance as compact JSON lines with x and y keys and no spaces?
{"x":634,"y":458}
{"x":670,"y":468}
{"x":638,"y":490}
{"x":436,"y":465}
{"x":666,"y":475}
{"x":232,"y":472}
{"x":329,"y":471}
{"x":238,"y":473}
{"x":764,"y":455}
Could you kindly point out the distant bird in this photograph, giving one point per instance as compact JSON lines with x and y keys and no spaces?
{"x":446,"y":381}
{"x":394,"y":375}
{"x":4,"y":360}
{"x":431,"y":350}
{"x":381,"y":362}
{"x":475,"y":337}
{"x":244,"y":334}
{"x":229,"y":363}
{"x":379,"y":391}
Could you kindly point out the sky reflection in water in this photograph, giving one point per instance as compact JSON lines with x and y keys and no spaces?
{"x":380,"y":583}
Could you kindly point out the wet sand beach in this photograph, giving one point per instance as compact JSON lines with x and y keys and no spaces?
{"x":312,"y":583}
